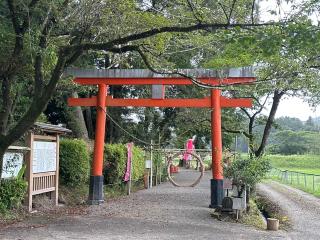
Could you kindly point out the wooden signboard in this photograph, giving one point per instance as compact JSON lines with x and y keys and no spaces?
{"x":42,"y":166}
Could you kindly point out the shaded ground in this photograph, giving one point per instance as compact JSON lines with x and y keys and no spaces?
{"x":302,"y":208}
{"x":163,"y":212}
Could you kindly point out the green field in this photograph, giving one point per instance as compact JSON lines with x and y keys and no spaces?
{"x":303,"y":171}
{"x":300,"y":163}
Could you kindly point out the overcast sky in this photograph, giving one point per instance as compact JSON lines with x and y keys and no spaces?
{"x":295,"y":107}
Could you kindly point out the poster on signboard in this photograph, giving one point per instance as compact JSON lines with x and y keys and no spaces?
{"x":44,"y":156}
{"x":11,"y":165}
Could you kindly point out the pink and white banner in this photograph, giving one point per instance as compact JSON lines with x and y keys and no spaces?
{"x":129,"y":159}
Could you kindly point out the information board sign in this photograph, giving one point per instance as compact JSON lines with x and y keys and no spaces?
{"x":11,"y":165}
{"x":44,"y":156}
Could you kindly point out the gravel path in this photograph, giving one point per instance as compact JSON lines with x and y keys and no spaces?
{"x":163,"y":212}
{"x":302,"y":208}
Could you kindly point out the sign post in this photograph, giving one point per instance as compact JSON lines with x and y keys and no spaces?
{"x":42,"y":161}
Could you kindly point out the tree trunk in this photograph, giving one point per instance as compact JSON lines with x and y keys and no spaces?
{"x":76,"y":121}
{"x":2,"y":151}
{"x":251,"y":136}
{"x":7,"y":102}
{"x":267,"y":129}
{"x":36,"y":108}
{"x":89,"y":123}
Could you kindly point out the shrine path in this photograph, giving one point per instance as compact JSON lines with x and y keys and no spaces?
{"x":302,"y":208}
{"x":163,"y":212}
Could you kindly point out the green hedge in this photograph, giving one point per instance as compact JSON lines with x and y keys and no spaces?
{"x":12,"y":192}
{"x":115,"y":160}
{"x":74,"y":162}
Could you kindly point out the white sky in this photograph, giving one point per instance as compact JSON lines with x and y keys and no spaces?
{"x":295,"y":107}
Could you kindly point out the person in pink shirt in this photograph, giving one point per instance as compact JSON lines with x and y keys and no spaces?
{"x":189,"y":149}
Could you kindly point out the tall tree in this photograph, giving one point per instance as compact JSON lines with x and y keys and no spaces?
{"x":39,"y":39}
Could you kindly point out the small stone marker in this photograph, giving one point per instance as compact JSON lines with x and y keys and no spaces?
{"x":272,"y":224}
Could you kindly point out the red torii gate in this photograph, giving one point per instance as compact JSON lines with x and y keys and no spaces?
{"x":104,"y":78}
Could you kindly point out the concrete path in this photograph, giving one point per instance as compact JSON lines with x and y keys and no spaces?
{"x":163,"y":212}
{"x":302,"y":208}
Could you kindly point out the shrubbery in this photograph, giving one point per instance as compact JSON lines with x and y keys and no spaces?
{"x":74,"y":162}
{"x":138,"y":163}
{"x":115,"y":161}
{"x":12,"y":192}
{"x":246,"y":171}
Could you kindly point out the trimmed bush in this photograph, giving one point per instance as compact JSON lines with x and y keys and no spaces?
{"x":115,"y":161}
{"x":12,"y":192}
{"x":138,"y":163}
{"x":74,"y":162}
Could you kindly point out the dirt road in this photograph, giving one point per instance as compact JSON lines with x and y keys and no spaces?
{"x":163,"y":212}
{"x":302,"y":208}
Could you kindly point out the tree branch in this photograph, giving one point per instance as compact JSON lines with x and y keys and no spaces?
{"x":14,"y":16}
{"x":252,"y":11}
{"x":231,"y":10}
{"x":246,"y":112}
{"x":155,"y":31}
{"x":224,"y":11}
{"x":46,"y":28}
{"x":235,"y":131}
{"x":261,"y":106}
{"x":26,"y":21}
{"x":193,"y":10}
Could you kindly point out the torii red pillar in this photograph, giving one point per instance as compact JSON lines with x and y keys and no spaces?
{"x":96,"y":195}
{"x":217,"y":192}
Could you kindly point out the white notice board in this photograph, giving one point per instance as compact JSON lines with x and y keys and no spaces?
{"x":44,"y":156}
{"x":11,"y":165}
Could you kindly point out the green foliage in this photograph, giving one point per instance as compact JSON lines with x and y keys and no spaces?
{"x":115,"y":162}
{"x":295,"y":142}
{"x":74,"y":162}
{"x":42,"y":118}
{"x":138,"y":163}
{"x":12,"y":191}
{"x":247,"y":171}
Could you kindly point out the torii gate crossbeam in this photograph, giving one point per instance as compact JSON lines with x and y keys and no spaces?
{"x":104,"y":78}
